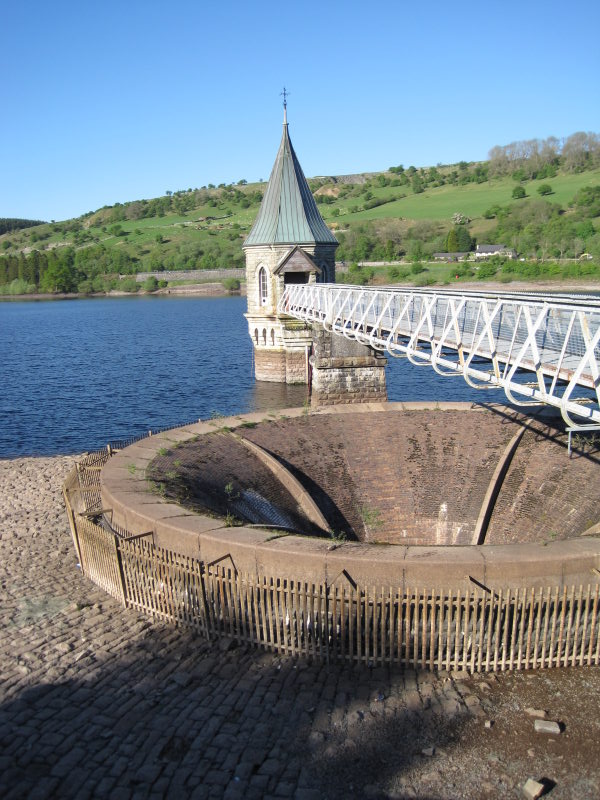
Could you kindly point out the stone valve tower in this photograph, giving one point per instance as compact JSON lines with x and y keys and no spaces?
{"x":290,"y":243}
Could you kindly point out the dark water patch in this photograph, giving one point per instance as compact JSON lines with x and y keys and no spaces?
{"x":77,"y":374}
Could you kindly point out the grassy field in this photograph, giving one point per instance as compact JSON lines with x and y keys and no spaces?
{"x":472,"y":199}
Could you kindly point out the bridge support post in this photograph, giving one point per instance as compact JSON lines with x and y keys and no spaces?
{"x":344,"y":371}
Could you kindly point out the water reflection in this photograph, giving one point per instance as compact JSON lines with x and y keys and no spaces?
{"x":265,"y":395}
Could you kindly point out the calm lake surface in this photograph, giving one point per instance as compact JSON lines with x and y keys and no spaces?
{"x":76,"y":374}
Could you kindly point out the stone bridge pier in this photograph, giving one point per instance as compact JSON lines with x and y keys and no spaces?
{"x":345,"y":371}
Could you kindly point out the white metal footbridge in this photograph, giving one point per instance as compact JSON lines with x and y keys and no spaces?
{"x":537,"y":348}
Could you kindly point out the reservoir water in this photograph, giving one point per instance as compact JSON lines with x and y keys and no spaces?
{"x":76,"y":374}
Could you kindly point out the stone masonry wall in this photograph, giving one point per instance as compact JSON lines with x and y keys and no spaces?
{"x":278,"y":365}
{"x":295,"y":366}
{"x":270,"y":365}
{"x":280,"y":343}
{"x":348,"y":381}
{"x":345,"y":371}
{"x":269,"y":257}
{"x":257,"y":257}
{"x":191,"y":274}
{"x":280,"y":349}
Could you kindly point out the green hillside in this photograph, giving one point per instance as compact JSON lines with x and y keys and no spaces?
{"x":471,"y":199}
{"x":396,"y":215}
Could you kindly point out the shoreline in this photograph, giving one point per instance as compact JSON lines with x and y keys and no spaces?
{"x":217,"y":290}
{"x":198,"y":290}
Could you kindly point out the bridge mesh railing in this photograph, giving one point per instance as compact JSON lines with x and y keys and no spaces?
{"x":537,"y":349}
{"x":433,"y":629}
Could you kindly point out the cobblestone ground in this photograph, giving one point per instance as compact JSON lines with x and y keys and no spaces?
{"x":97,"y":701}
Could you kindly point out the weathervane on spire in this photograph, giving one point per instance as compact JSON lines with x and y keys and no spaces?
{"x":285,"y":94}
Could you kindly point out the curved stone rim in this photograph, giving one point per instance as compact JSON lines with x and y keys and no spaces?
{"x":261,"y":552}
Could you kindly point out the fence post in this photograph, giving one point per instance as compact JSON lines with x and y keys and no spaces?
{"x":72,"y":525}
{"x":119,"y":557}
{"x":325,"y":619}
{"x":208,"y":615}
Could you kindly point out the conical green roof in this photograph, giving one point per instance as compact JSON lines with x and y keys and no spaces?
{"x":288,"y":213}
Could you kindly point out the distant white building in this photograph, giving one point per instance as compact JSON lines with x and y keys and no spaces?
{"x":489,"y":250}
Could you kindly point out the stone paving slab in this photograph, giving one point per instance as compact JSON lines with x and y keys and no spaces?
{"x":97,"y":701}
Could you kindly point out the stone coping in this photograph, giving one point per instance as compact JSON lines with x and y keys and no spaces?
{"x":264,"y":552}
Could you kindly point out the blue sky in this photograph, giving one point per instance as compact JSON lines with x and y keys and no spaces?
{"x":116,"y":101}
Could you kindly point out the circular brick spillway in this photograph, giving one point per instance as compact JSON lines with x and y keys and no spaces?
{"x":403,"y":476}
{"x":389,"y":495}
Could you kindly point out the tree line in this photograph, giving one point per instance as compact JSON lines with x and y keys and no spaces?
{"x":540,"y":158}
{"x":100,"y":269}
{"x":8,"y":224}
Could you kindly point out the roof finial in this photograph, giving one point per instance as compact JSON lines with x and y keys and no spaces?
{"x":285,"y":94}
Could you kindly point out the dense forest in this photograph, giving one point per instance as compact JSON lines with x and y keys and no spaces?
{"x":539,"y":197}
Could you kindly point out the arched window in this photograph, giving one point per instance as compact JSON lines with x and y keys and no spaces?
{"x":272,"y":338}
{"x":264,"y":336}
{"x":256,"y":335}
{"x":262,"y":287}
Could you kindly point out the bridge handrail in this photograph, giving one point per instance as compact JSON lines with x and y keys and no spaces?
{"x":552,"y":299}
{"x":554,"y":338}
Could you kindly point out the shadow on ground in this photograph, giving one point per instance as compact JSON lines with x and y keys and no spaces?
{"x":173,"y":715}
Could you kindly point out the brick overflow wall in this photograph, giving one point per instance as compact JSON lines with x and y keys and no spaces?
{"x":546,"y":491}
{"x":406,"y":477}
{"x":399,"y":477}
{"x":235,"y":482}
{"x":421,"y":477}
